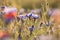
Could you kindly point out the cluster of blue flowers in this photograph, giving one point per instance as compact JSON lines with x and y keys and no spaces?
{"x":29,"y":15}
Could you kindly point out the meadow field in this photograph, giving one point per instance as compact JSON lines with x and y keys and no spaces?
{"x":18,"y":30}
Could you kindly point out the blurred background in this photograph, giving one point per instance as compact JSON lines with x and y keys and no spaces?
{"x":42,"y":29}
{"x":29,"y":4}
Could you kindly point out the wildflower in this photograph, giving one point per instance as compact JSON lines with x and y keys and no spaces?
{"x":34,"y":16}
{"x":31,"y":29}
{"x":21,"y":17}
